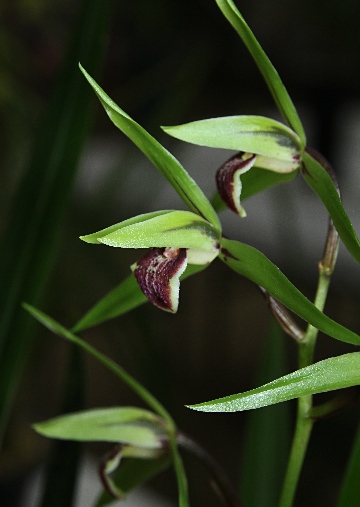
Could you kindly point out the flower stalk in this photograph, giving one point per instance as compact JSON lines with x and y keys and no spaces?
{"x":306,"y":348}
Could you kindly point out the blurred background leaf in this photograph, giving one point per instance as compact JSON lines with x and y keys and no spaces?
{"x":349,"y":494}
{"x":30,"y":241}
{"x":61,"y":476}
{"x":267,"y":436}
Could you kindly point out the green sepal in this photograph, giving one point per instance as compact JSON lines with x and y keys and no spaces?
{"x":95,"y":238}
{"x":255,"y":266}
{"x":327,"y":375}
{"x":178,"y":229}
{"x":127,"y":425}
{"x":275,"y":143}
{"x":162,"y":159}
{"x":321,"y":183}
{"x":268,"y":71}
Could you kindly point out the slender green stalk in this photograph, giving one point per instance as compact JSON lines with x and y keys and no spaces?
{"x":304,"y":422}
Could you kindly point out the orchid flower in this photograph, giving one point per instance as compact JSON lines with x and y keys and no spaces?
{"x":175,"y":238}
{"x":264,"y":143}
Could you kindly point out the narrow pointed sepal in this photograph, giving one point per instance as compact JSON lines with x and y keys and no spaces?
{"x":180,"y":229}
{"x":228,"y":180}
{"x":278,"y":147}
{"x":158,"y":273}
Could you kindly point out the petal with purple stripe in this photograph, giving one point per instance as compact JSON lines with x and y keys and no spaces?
{"x":158,"y":273}
{"x":228,"y":180}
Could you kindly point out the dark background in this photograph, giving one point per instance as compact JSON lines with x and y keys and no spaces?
{"x":169,"y":62}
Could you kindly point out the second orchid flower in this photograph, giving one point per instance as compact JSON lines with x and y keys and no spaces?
{"x":175,"y":238}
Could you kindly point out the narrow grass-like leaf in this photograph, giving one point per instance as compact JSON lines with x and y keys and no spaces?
{"x":262,"y":136}
{"x":269,"y":73}
{"x":267,"y":437}
{"x":350,"y":491}
{"x":131,"y":474}
{"x":320,"y":181}
{"x":133,"y":384}
{"x":116,"y":424}
{"x":255,"y":266}
{"x":166,"y":163}
{"x":327,"y":375}
{"x":29,"y":244}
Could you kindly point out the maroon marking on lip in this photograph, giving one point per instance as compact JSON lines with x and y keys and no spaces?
{"x":225,"y":177}
{"x":154,"y":273}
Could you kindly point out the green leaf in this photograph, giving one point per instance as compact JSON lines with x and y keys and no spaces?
{"x":328,"y":375}
{"x":262,"y":136}
{"x":320,"y":181}
{"x":269,"y":73}
{"x":350,"y":492}
{"x":116,"y":424}
{"x":178,"y":229}
{"x":131,"y":474}
{"x":166,"y":163}
{"x":255,"y":266}
{"x":124,"y":298}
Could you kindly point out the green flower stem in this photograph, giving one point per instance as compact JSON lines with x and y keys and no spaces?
{"x":298,"y":449}
{"x":304,"y":422}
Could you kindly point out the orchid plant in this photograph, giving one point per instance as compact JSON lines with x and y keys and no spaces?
{"x":181,"y":243}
